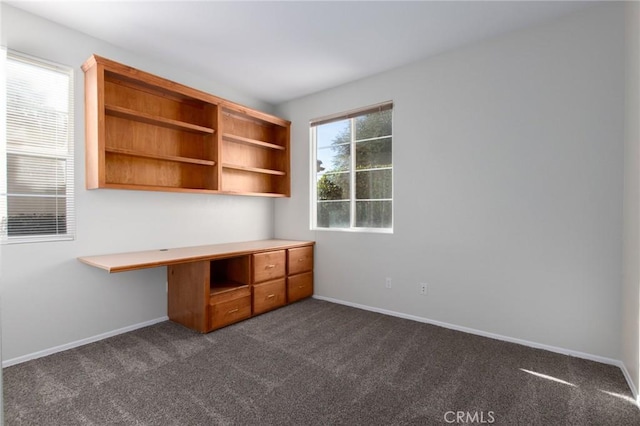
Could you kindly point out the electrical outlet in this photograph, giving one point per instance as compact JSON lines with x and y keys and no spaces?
{"x":422,"y":288}
{"x":387,"y":283}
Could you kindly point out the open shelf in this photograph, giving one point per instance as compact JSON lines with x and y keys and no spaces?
{"x":254,"y":193}
{"x":160,"y":188}
{"x":228,"y":275}
{"x":130,"y":114}
{"x":241,"y":139}
{"x":218,"y":288}
{"x":144,"y":132}
{"x":175,"y":158}
{"x":253,"y":169}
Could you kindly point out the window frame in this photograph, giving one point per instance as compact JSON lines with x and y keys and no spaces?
{"x":67,"y":154}
{"x":350,"y":115}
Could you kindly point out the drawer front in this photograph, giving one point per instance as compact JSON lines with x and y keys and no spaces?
{"x":230,"y":294}
{"x":299,"y":286}
{"x":225,"y":313}
{"x":268,"y":296}
{"x":268,"y":266}
{"x":300,"y":260}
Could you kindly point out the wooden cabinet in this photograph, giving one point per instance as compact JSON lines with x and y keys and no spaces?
{"x":300,"y":260}
{"x":230,"y":306}
{"x":229,"y":291}
{"x":299,"y":286}
{"x":147,"y":133}
{"x":299,"y":273}
{"x":208,"y":294}
{"x":268,"y":266}
{"x":268,"y":296}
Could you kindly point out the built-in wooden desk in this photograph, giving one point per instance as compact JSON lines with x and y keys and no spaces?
{"x":216,"y":285}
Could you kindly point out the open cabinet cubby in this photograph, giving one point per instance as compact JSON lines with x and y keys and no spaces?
{"x":229,"y":274}
{"x":144,"y":132}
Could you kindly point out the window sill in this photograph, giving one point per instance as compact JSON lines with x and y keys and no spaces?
{"x":357,"y":230}
{"x":36,"y":239}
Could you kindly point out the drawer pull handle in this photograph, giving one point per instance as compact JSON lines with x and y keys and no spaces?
{"x":271,"y":296}
{"x":301,"y":259}
{"x":300,"y":286}
{"x":269,"y":266}
{"x":233,"y":311}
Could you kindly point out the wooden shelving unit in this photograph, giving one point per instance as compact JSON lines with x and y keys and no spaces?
{"x":255,"y":152}
{"x":144,"y":132}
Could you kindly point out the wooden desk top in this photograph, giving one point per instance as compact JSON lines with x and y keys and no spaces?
{"x":120,"y":262}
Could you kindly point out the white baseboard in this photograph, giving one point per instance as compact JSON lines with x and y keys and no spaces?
{"x":536,"y":345}
{"x":81,"y":342}
{"x":627,"y":376}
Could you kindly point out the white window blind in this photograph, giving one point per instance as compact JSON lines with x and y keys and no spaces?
{"x":36,"y":191}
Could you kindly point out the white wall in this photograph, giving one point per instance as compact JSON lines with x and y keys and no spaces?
{"x":48,"y":297}
{"x":508,"y":159}
{"x":631,"y":283}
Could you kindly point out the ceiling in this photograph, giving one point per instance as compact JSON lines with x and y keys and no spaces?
{"x":277,"y":51}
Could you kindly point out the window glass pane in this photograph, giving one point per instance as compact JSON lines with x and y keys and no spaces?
{"x":373,"y":184}
{"x":37,"y":106}
{"x":373,"y":154}
{"x":333,"y":214}
{"x":333,"y":133}
{"x":373,"y":214}
{"x":36,"y":216}
{"x":334,"y":186}
{"x":334,"y":159}
{"x":373,"y":125}
{"x":42,"y":129}
{"x":35,"y":175}
{"x":37,"y":87}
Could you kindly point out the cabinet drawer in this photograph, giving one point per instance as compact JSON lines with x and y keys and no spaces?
{"x":300,"y":260}
{"x":269,"y":295}
{"x":299,"y":286}
{"x":268,"y":266}
{"x":228,"y":312}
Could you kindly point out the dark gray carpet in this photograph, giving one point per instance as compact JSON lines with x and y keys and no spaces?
{"x":313,"y":363}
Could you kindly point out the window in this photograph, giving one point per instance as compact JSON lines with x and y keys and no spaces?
{"x":36,"y":151}
{"x":353,"y":172}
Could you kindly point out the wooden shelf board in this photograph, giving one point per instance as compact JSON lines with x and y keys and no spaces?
{"x":130,"y":186}
{"x":250,"y":141}
{"x":223,"y":287}
{"x":255,"y":194}
{"x":243,"y":113}
{"x":175,"y":158}
{"x":143,"y":117}
{"x":253,"y":169}
{"x":137,"y":84}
